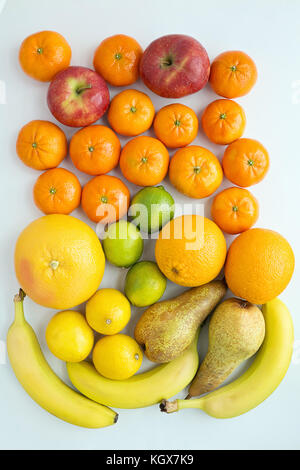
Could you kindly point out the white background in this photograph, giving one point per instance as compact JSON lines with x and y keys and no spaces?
{"x":269,"y":32}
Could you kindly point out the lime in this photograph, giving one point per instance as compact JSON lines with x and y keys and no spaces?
{"x":151,"y":208}
{"x":144,"y":284}
{"x":123,"y":244}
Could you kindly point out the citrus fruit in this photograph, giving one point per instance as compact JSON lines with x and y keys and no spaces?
{"x":69,"y":337}
{"x":245,"y":162}
{"x":144,"y":161}
{"x":190,"y":250}
{"x":131,"y":112}
{"x":117,"y":59}
{"x":59,"y":261}
{"x":123,"y":244}
{"x":144,"y":284}
{"x":195,"y":171}
{"x":42,"y":55}
{"x":235,"y":210}
{"x":105,"y":199}
{"x":57,"y":191}
{"x":41,"y":145}
{"x":117,"y":357}
{"x":95,"y":150}
{"x":176,"y":125}
{"x":223,"y":121}
{"x":232,"y":74}
{"x":151,"y":208}
{"x":108,"y":311}
{"x":259,"y":265}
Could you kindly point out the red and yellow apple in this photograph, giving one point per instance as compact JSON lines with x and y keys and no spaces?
{"x":174,"y":66}
{"x":78,"y":96}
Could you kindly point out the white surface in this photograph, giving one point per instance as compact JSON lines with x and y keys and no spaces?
{"x":269,"y":32}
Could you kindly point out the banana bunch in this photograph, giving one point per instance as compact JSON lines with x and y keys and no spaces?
{"x":41,"y":383}
{"x":260,"y":380}
{"x":140,"y":390}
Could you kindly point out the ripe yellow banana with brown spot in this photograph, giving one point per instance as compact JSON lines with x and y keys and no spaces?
{"x":260,"y":380}
{"x":144,"y":389}
{"x":41,"y":383}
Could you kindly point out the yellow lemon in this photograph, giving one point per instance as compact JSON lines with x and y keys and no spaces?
{"x":117,"y":357}
{"x":59,"y":261}
{"x":108,"y":311}
{"x":69,"y":337}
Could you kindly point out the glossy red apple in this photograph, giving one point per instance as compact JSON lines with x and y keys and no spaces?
{"x":174,"y":66}
{"x":78,"y":96}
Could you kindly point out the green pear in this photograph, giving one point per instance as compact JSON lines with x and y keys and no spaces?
{"x":167,"y":328}
{"x":236,"y":332}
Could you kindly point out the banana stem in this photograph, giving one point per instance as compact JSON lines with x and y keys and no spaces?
{"x":171,"y":406}
{"x":18,"y":301}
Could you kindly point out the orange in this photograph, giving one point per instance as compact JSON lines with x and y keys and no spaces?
{"x":57,"y":191}
{"x":41,"y":145}
{"x":190,"y":250}
{"x":117,"y":59}
{"x":245,"y":162}
{"x":195,"y":171}
{"x":117,"y":357}
{"x":223,"y":121}
{"x":131,"y":112}
{"x":176,"y":125}
{"x":42,"y":55}
{"x":259,"y":265}
{"x":235,"y":210}
{"x":59,"y":261}
{"x":232,"y":74}
{"x":144,"y":161}
{"x":95,"y":150}
{"x":105,"y":199}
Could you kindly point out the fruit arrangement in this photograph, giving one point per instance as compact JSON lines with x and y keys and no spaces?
{"x":60,"y":261}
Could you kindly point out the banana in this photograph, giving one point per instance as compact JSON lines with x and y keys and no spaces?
{"x":141,"y":390}
{"x":260,"y":380}
{"x":41,"y":383}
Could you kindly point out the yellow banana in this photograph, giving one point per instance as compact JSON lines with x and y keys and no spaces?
{"x":41,"y":383}
{"x":141,"y":390}
{"x":260,"y":380}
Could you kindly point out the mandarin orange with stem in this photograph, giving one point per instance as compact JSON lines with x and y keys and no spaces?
{"x":131,"y":112}
{"x":223,"y":121}
{"x":176,"y":125}
{"x":57,"y":191}
{"x":235,"y":210}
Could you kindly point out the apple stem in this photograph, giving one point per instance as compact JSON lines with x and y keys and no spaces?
{"x":81,"y":89}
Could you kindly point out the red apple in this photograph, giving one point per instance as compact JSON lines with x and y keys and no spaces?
{"x":174,"y":66}
{"x":78,"y":96}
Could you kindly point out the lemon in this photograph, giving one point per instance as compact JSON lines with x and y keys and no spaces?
{"x":69,"y":337}
{"x":117,"y":357}
{"x":144,"y":284}
{"x":123,"y":244}
{"x":108,"y":311}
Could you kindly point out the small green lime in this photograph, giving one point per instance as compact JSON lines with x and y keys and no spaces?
{"x":123,"y":244}
{"x":144,"y":284}
{"x":152,"y":208}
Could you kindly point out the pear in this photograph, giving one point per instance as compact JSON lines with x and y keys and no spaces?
{"x":236,"y":332}
{"x":167,"y":328}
